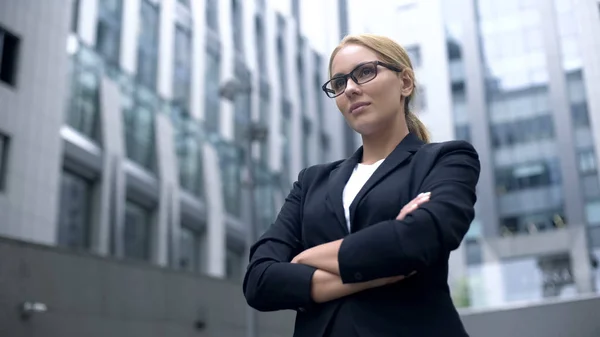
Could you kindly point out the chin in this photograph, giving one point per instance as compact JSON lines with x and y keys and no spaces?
{"x":365,"y":129}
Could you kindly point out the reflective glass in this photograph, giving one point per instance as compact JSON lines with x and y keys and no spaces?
{"x":136,"y":231}
{"x":74,"y":216}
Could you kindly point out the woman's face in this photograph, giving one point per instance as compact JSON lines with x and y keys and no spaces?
{"x":374,"y":105}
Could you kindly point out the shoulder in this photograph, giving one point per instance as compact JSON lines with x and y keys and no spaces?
{"x":315,"y":172}
{"x":452,"y":147}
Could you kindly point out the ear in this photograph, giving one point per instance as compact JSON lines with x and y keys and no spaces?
{"x":408,"y":83}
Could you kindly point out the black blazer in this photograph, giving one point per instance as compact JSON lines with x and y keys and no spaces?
{"x":378,"y":245}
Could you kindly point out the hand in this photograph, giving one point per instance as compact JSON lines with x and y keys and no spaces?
{"x":413,"y":204}
{"x":297,"y":258}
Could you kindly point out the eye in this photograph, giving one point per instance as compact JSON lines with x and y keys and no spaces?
{"x":338,"y":83}
{"x":366,"y":71}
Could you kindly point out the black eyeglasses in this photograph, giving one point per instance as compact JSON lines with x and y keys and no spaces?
{"x":362,"y":74}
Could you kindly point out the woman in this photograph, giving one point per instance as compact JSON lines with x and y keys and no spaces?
{"x":342,"y":252}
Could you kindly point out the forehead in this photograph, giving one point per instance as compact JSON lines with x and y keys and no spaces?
{"x":349,"y":57}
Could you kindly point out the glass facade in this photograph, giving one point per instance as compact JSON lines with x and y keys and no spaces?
{"x":237,"y":24}
{"x":286,"y":131}
{"x":306,"y":137}
{"x":230,"y":162}
{"x":264,"y":194}
{"x":139,"y":124}
{"x":212,"y":100}
{"x":212,"y":14}
{"x":188,"y":146}
{"x":233,"y":265}
{"x":108,"y":31}
{"x":147,"y":56}
{"x":189,"y":250}
{"x":182,"y":69}
{"x":83,"y":106}
{"x":137,"y":231}
{"x":521,"y":120}
{"x":74,"y":214}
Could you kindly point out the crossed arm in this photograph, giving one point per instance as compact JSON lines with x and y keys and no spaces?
{"x":396,"y":247}
{"x":326,"y":283}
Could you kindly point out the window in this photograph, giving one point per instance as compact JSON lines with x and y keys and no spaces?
{"x":189,"y":156}
{"x":463,"y":132}
{"x":529,"y":175}
{"x":108,"y":32}
{"x":580,"y":115}
{"x":587,"y":161}
{"x":237,"y":22}
{"x":4,"y":152}
{"x":281,"y":55}
{"x":212,"y":99}
{"x":84,"y":108}
{"x":296,"y":11}
{"x":75,"y":211}
{"x":264,"y":107}
{"x":260,"y":45}
{"x":9,"y":47}
{"x":592,"y":212}
{"x":473,"y":252}
{"x":286,"y":131}
{"x":534,"y":222}
{"x":281,"y":65}
{"x":318,"y":82}
{"x":325,"y":148}
{"x":522,"y":131}
{"x":306,"y":138}
{"x":182,"y":68}
{"x":420,"y":102}
{"x":414,"y":53}
{"x":233,"y":265}
{"x":230,"y":160}
{"x":147,"y":61}
{"x":139,"y":135}
{"x":75,"y":16}
{"x":189,"y":250}
{"x":301,"y":85}
{"x":212,"y":14}
{"x":136,"y":236}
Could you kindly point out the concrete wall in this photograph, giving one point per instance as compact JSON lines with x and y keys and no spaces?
{"x":31,"y":116}
{"x":92,"y":296}
{"x":575,"y":318}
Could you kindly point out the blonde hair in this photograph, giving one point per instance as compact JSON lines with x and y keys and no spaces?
{"x":391,"y":53}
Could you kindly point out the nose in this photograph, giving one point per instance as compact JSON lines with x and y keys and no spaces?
{"x":351,"y":87}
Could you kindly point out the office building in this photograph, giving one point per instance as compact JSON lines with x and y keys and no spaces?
{"x":517,"y":79}
{"x":123,"y":125}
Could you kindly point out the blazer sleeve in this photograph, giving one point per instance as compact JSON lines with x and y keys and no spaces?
{"x":426,"y":234}
{"x":271,"y":281}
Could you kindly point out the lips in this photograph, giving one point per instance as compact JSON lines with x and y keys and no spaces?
{"x":354,"y":107}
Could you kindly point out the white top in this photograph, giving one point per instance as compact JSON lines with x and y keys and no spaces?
{"x":357,"y":180}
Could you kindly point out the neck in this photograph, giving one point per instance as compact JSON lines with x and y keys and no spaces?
{"x":379,"y":145}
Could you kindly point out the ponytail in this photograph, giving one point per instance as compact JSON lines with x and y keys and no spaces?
{"x":415,"y":126}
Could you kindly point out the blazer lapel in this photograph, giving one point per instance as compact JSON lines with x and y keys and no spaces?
{"x":408,"y":146}
{"x":335,"y":187}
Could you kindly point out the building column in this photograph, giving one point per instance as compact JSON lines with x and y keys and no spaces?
{"x":165,"y":241}
{"x":561,"y":113}
{"x":478,"y":116}
{"x":215,"y":239}
{"x":111,"y":192}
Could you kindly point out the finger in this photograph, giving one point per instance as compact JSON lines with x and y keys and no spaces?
{"x":422,"y":196}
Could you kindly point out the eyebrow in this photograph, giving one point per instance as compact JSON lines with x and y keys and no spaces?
{"x":353,"y":69}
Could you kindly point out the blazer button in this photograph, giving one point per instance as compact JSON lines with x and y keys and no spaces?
{"x":301,"y":309}
{"x":358,"y":276}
